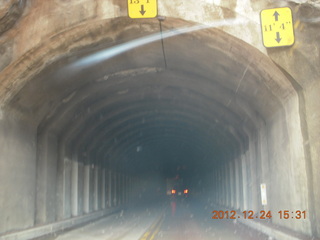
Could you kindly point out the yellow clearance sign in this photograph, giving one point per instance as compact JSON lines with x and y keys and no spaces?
{"x":277,"y":27}
{"x":142,"y":8}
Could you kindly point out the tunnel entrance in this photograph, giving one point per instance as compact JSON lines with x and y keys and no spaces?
{"x":219,"y":114}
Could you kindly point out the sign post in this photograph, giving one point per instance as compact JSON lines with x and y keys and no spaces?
{"x":277,"y":27}
{"x":263,"y":189}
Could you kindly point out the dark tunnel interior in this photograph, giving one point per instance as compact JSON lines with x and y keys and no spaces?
{"x":147,"y":115}
{"x":133,"y":114}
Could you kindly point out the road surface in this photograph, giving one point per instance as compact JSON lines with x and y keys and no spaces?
{"x":170,"y":220}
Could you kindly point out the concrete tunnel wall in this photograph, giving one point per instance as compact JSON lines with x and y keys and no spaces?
{"x":67,"y":135}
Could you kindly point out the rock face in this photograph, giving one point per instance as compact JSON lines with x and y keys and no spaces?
{"x":82,"y":85}
{"x":10,"y":12}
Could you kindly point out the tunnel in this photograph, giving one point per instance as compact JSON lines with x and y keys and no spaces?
{"x":100,"y":112}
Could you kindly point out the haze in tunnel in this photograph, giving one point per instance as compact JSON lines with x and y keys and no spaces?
{"x":98,"y":118}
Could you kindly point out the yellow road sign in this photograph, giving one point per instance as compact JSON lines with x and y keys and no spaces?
{"x":142,"y":8}
{"x":277,"y":27}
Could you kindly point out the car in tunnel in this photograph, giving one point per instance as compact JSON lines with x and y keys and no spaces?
{"x":179,"y":193}
{"x":176,"y":189}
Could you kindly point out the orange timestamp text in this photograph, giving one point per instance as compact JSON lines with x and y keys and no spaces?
{"x":282,"y":214}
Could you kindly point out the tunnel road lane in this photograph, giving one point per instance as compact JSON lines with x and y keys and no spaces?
{"x":153,"y":230}
{"x":184,"y":220}
{"x":173,"y":220}
{"x":125,"y":225}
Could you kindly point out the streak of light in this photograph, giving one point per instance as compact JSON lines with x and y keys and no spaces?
{"x":108,"y":53}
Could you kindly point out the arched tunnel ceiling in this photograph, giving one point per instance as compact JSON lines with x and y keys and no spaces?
{"x":215,"y":91}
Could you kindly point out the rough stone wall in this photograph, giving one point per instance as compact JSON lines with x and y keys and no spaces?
{"x":17,"y":174}
{"x":288,"y":176}
{"x":312,"y":94}
{"x":42,"y":20}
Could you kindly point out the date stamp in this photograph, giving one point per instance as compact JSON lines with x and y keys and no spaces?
{"x":282,"y":214}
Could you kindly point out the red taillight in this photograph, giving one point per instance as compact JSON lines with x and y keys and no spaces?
{"x":185,"y":191}
{"x":173,"y":191}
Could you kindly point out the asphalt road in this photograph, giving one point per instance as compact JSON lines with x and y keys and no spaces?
{"x":170,"y":220}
